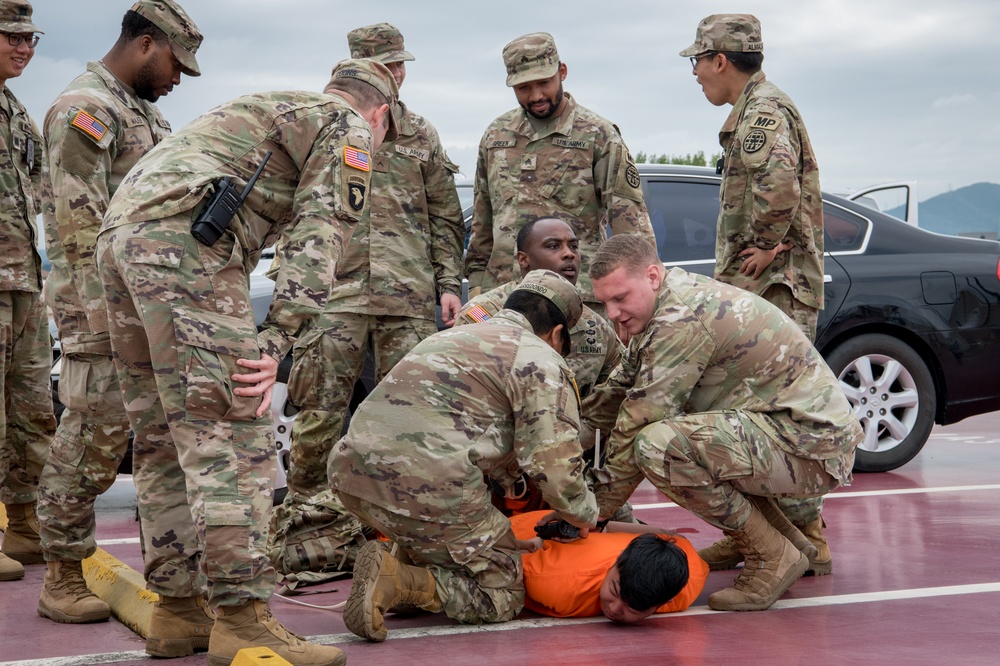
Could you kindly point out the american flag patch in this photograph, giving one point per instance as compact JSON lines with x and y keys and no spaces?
{"x":478,"y":314}
{"x":358,"y":159}
{"x":89,"y":125}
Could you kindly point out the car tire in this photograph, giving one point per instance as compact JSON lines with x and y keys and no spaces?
{"x":892,"y":393}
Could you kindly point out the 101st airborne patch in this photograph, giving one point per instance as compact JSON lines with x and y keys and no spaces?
{"x":357,"y":189}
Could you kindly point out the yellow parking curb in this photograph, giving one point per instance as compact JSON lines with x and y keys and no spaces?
{"x":259,"y":656}
{"x":117,"y":584}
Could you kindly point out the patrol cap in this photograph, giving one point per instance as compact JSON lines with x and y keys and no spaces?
{"x":382,"y":42}
{"x":376,"y":75}
{"x":531,"y":58}
{"x":15,"y":17}
{"x":184,"y":36}
{"x":557,"y":289}
{"x":736,"y":33}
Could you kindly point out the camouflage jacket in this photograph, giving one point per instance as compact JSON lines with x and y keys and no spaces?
{"x":770,"y":193}
{"x":21,"y":157}
{"x":308,"y":191}
{"x":712,"y":347}
{"x":490,"y":398}
{"x":85,"y":164}
{"x":595,"y":349}
{"x":574,"y":167}
{"x":408,"y":248}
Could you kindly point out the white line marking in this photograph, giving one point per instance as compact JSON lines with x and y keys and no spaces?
{"x":541,"y":623}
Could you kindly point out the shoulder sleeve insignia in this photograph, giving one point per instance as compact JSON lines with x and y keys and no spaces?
{"x":89,"y":125}
{"x":754,"y":141}
{"x":357,"y":158}
{"x":478,"y":314}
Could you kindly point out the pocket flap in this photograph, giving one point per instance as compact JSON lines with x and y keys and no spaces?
{"x":152,"y":251}
{"x":216,"y":332}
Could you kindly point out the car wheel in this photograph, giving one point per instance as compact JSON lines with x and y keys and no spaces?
{"x":893,"y":395}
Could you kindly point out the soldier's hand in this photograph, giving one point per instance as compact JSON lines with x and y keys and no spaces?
{"x":450,"y":305}
{"x":262,"y":380}
{"x":756,"y":260}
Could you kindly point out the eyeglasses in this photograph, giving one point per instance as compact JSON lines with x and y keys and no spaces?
{"x":15,"y":40}
{"x":695,"y":59}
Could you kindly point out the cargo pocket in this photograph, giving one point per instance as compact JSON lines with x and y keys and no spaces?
{"x":228,"y":521}
{"x":211,"y":344}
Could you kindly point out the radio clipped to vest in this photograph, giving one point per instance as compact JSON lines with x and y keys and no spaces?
{"x":218,"y":212}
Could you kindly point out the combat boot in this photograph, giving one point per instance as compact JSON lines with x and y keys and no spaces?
{"x":179,"y":626}
{"x":65,"y":597}
{"x":21,"y":541}
{"x":252,"y":625}
{"x":771,"y":565}
{"x":725,"y":554}
{"x":822,"y":564}
{"x":10,"y":569}
{"x":382,"y":583}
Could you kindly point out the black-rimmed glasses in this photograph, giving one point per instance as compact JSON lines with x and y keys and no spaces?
{"x":16,"y":39}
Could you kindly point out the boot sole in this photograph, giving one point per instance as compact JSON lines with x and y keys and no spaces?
{"x":63,"y":618}
{"x":359,"y":609}
{"x":26,"y":558}
{"x":820,"y":568}
{"x":175,"y":647}
{"x":13,"y":575}
{"x":793,"y":574}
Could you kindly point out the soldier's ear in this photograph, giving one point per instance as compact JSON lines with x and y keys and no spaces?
{"x":562,"y":71}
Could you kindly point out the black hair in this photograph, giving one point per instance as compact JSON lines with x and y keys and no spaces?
{"x":748,"y":63}
{"x":651,"y":571}
{"x":525,"y":233}
{"x":135,"y":25}
{"x":541,"y":313}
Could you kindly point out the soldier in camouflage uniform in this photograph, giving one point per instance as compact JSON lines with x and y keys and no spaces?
{"x":407,"y":249}
{"x":26,"y":419}
{"x":183,"y":335}
{"x":550,"y":157}
{"x":474,"y":400}
{"x":722,"y":404}
{"x":770,"y":231}
{"x":95,"y":131}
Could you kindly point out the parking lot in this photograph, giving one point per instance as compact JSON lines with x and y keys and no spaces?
{"x":914,"y":582}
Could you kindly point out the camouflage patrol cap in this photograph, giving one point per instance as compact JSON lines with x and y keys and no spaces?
{"x":184,"y":36}
{"x":736,"y":33}
{"x":557,"y":289}
{"x":15,"y":17}
{"x":381,"y":42}
{"x":531,"y":58}
{"x":376,"y":75}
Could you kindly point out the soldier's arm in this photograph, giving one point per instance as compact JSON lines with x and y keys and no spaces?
{"x":477,"y":255}
{"x":597,"y":402}
{"x":546,"y":434}
{"x":329,"y":201}
{"x":774,"y":182}
{"x":79,"y":163}
{"x":444,"y":210}
{"x":622,"y":204}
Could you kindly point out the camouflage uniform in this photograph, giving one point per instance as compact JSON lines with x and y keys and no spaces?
{"x":721,"y":397}
{"x":573,"y":166}
{"x":487,"y":398}
{"x":84,"y":170}
{"x":26,"y":419}
{"x":180,"y":316}
{"x":403,"y":253}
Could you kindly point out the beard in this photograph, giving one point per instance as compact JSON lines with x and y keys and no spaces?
{"x":145,"y":87}
{"x":552,"y":108}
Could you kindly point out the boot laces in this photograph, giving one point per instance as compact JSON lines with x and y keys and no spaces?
{"x":71,"y":580}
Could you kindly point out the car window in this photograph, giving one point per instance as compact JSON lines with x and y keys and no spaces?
{"x":465,"y":194}
{"x":684,"y":215}
{"x":845,"y":231}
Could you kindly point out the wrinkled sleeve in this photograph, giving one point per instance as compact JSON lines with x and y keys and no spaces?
{"x":775,"y":188}
{"x":622,"y":204}
{"x":447,"y":224}
{"x":79,"y":168}
{"x":323,"y":220}
{"x":481,"y":239}
{"x":546,"y":435}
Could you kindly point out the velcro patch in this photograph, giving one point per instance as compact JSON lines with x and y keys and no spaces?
{"x":571,"y":143}
{"x":502,"y":143}
{"x":89,"y":125}
{"x":357,"y":158}
{"x":764,"y":123}
{"x":754,"y":141}
{"x":422,"y":155}
{"x":478,"y":314}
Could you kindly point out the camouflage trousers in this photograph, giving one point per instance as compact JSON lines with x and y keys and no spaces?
{"x":709,"y":462}
{"x":476,"y":566}
{"x":203,"y":463}
{"x":26,"y":418}
{"x":90,"y":443}
{"x":328,"y":360}
{"x":800,"y":510}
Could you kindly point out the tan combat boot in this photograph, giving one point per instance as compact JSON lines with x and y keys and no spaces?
{"x":382,"y":583}
{"x":772,"y":564}
{"x":10,"y":569}
{"x":822,"y":564}
{"x":252,"y":625}
{"x":725,"y":554}
{"x":179,"y":626}
{"x":21,"y":541}
{"x":65,"y":597}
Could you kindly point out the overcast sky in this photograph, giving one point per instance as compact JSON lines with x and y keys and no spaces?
{"x":889,"y":89}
